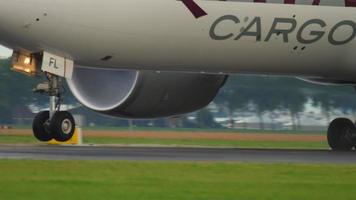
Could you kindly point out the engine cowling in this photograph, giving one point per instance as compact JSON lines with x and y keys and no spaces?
{"x":143,"y":94}
{"x":326,"y":81}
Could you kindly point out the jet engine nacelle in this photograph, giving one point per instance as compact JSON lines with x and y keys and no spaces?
{"x":326,"y":81}
{"x":143,"y":94}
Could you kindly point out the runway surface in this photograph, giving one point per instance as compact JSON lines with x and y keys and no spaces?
{"x":44,"y":152}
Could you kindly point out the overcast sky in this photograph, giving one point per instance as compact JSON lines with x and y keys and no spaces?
{"x":5,"y":52}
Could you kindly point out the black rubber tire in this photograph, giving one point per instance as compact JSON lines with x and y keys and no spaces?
{"x":38,"y":127}
{"x":337,"y":131}
{"x":56,"y":126}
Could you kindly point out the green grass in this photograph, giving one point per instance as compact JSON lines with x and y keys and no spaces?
{"x":14,"y":139}
{"x":86,"y":180}
{"x":212,"y":143}
{"x":8,"y":139}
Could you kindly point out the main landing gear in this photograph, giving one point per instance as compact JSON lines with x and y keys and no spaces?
{"x":342,"y":134}
{"x":53,"y":124}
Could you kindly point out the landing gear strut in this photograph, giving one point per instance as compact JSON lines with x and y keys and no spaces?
{"x":53,"y":124}
{"x":342,"y":134}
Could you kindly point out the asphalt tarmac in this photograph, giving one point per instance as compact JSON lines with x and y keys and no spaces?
{"x":138,"y":153}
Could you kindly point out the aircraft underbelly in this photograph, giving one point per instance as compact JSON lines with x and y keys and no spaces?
{"x":164,"y":35}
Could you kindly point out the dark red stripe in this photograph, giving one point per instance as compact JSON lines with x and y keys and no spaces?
{"x":259,"y":1}
{"x":196,"y":10}
{"x":289,"y":1}
{"x":350,"y":3}
{"x":316,"y":2}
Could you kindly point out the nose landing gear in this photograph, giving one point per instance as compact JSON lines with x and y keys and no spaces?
{"x":342,"y":134}
{"x":53,"y":124}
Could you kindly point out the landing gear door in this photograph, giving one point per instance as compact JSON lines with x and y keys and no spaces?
{"x":57,"y":65}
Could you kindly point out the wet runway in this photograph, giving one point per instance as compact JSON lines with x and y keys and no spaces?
{"x":44,"y":152}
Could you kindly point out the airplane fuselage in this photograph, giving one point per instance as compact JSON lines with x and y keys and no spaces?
{"x":234,"y":37}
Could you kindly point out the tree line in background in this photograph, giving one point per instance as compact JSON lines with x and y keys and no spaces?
{"x":258,"y":94}
{"x":264,"y":94}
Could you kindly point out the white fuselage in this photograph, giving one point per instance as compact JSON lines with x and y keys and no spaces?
{"x":235,"y":37}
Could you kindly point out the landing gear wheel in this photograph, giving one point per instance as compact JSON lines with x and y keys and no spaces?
{"x":59,"y":124}
{"x":40,"y":127}
{"x":340,"y":133}
{"x":62,"y":126}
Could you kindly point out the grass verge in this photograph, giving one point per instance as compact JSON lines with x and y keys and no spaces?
{"x":176,"y":180}
{"x":210,"y":143}
{"x":11,"y":139}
